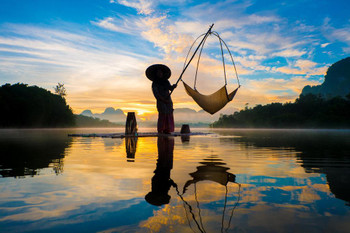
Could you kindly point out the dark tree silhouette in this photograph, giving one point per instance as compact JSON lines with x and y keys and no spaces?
{"x":31,"y":106}
{"x":336,"y":81}
{"x":308,"y":111}
{"x":323,"y":106}
{"x":60,"y":90}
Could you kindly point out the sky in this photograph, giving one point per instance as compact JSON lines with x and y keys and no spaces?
{"x":100,"y":49}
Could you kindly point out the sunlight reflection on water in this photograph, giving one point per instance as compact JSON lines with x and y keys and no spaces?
{"x":229,"y":181}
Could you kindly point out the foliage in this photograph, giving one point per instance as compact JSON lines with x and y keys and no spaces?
{"x":31,"y":106}
{"x":86,"y":121}
{"x":308,"y":111}
{"x":60,"y":90}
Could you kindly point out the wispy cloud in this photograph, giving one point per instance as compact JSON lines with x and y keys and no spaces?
{"x":275,"y":89}
{"x":127,"y":25}
{"x":81,"y":62}
{"x":289,"y":53}
{"x":337,"y":34}
{"x":142,"y":6}
{"x":103,"y":63}
{"x":302,"y":67}
{"x":253,"y":37}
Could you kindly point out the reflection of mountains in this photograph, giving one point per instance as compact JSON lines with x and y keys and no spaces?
{"x":28,"y":153}
{"x":326,"y":152}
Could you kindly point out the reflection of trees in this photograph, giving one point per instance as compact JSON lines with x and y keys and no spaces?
{"x":26,"y":155}
{"x":212,"y":169}
{"x":57,"y":165}
{"x":326,"y":152}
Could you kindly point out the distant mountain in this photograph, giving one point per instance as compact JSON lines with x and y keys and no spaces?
{"x":336,"y":82}
{"x":185,"y":110}
{"x":188,"y":115}
{"x":88,"y":121}
{"x":87,"y":113}
{"x":181,"y":116}
{"x":112,"y":111}
{"x":110,"y":114}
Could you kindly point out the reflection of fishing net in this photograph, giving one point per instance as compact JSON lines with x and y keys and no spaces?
{"x":216,"y":101}
{"x":212,"y":173}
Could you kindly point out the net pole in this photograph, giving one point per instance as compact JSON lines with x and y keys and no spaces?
{"x":183,"y":71}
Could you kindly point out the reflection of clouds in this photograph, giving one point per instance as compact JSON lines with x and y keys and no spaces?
{"x":92,"y":176}
{"x":172,"y":218}
{"x":111,"y":143}
{"x":269,"y":170}
{"x":208,"y":191}
{"x":168,"y":216}
{"x":95,"y":179}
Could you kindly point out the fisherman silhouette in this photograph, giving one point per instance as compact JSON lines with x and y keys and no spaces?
{"x":161,"y":87}
{"x":161,"y":181}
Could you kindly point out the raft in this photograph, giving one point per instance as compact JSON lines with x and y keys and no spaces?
{"x":149,"y":134}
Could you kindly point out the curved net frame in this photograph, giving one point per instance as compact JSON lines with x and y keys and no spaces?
{"x":216,"y":101}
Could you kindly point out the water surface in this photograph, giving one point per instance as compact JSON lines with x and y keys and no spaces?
{"x":228,"y":181}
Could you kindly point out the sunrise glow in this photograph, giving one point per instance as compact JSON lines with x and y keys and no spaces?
{"x":101,"y":53}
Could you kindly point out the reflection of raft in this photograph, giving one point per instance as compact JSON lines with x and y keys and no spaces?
{"x":123,"y":135}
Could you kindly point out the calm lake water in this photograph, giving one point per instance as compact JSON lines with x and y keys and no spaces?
{"x":228,"y":181}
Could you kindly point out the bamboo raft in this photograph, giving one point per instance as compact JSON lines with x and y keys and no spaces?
{"x":131,"y":131}
{"x":147,"y":134}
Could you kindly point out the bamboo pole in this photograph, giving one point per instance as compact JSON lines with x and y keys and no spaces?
{"x":183,"y":71}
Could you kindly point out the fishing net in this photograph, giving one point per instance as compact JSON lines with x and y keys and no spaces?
{"x":216,"y":101}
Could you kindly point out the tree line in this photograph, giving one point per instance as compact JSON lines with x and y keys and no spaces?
{"x":308,"y":111}
{"x":31,"y":106}
{"x":23,"y":106}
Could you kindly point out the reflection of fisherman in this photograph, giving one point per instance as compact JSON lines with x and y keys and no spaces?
{"x":161,"y":87}
{"x":161,"y":181}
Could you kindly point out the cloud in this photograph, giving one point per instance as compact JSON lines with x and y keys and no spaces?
{"x":99,"y":71}
{"x":270,"y":86}
{"x":289,"y":53}
{"x":302,"y":67}
{"x":165,"y":37}
{"x":152,"y":28}
{"x":142,"y":6}
{"x":127,"y":25}
{"x":173,"y":37}
{"x":84,"y":64}
{"x":227,"y":14}
{"x":337,"y":34}
{"x":305,"y":64}
{"x":251,"y":46}
{"x":324,"y":45}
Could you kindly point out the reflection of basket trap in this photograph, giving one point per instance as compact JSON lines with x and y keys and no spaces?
{"x":212,"y":171}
